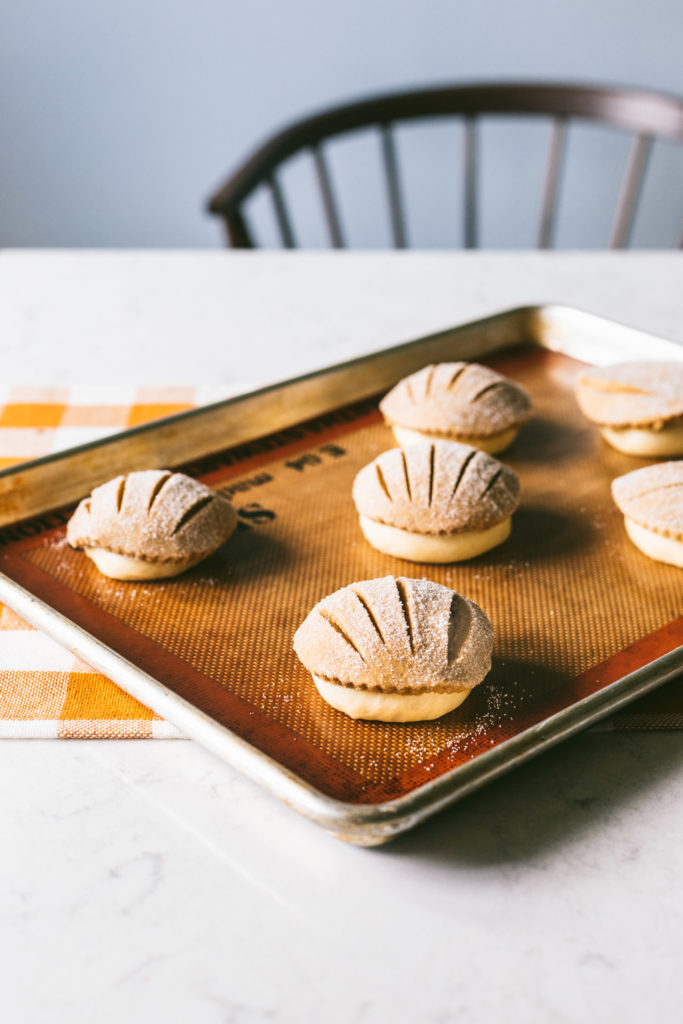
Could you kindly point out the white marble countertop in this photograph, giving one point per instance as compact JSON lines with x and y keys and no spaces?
{"x":146,"y":881}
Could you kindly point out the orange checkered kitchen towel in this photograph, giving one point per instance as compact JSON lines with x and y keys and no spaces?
{"x":44,"y":690}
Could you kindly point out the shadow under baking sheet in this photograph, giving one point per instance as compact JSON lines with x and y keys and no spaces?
{"x":568,"y":792}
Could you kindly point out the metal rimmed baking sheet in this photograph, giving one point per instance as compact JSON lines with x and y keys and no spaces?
{"x":584,"y":622}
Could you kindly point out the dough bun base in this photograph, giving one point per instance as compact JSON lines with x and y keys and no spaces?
{"x":123,"y":567}
{"x":433,"y":547}
{"x":494,"y":443}
{"x":655,"y":545}
{"x":388,"y":707}
{"x":646,"y":441}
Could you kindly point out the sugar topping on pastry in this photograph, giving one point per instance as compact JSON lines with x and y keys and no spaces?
{"x":638,"y":406}
{"x":459,"y":402}
{"x":436,"y":501}
{"x":652,"y":502}
{"x":395,"y":649}
{"x":150,"y":524}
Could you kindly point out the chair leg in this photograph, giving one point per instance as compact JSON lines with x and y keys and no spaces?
{"x":237,"y":234}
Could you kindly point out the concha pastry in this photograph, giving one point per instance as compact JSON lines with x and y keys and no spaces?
{"x":395,"y":650}
{"x":457,"y":402}
{"x":150,"y":524}
{"x":652,"y":502}
{"x":638,"y":406}
{"x":435,"y":502}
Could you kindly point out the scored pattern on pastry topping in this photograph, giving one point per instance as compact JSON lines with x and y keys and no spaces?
{"x":632,"y":394}
{"x":401,"y":636}
{"x":436,"y":487}
{"x":153,"y":515}
{"x":653,"y":498}
{"x":458,"y":399}
{"x":156,"y":490}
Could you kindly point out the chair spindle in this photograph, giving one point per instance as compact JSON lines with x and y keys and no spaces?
{"x":630,"y":191}
{"x":398,"y":231}
{"x":327,"y":196}
{"x":281,"y":214}
{"x":558,"y":134}
{"x":470,"y":182}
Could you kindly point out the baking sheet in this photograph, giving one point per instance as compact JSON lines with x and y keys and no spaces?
{"x":574,"y":605}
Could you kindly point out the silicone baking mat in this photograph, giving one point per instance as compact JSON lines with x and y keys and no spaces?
{"x":573,"y":604}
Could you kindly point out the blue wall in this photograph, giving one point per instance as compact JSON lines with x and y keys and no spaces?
{"x":119,"y":118}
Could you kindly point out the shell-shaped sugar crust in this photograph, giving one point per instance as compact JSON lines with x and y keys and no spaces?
{"x":632,"y":394}
{"x":436,"y":487}
{"x":153,"y":515}
{"x":653,"y":498}
{"x":458,"y":399}
{"x":397,"y":636}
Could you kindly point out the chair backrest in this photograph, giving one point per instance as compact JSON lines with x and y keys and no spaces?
{"x":645,"y":115}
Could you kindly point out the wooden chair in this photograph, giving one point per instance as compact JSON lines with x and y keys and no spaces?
{"x":645,"y":115}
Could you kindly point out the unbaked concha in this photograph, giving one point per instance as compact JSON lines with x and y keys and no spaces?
{"x":437,"y":501}
{"x":395,"y":650}
{"x":652,"y":502}
{"x":150,"y":524}
{"x":638,"y":406}
{"x":457,"y":402}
